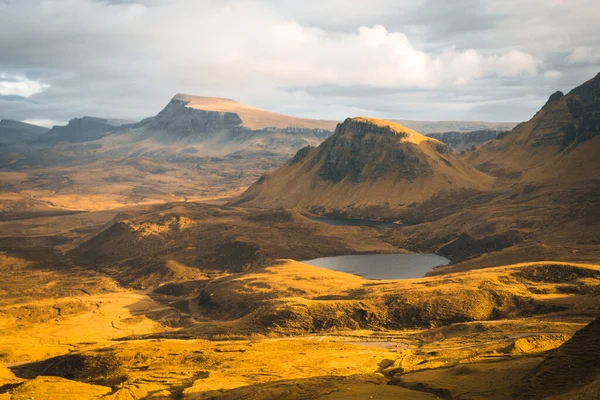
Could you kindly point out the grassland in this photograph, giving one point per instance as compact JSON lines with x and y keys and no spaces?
{"x":285,"y":330}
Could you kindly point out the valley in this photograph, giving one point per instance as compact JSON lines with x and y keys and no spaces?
{"x":172,"y":258}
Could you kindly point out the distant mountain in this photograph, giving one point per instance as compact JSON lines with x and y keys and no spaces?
{"x":461,"y":141}
{"x":368,"y":168}
{"x":251,"y":117}
{"x":428,"y":127}
{"x":80,"y":130}
{"x":16,"y":132}
{"x":218,"y":127}
{"x":196,"y":147}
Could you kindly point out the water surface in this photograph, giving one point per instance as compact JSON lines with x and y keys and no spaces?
{"x":382,"y":266}
{"x":353,"y":222}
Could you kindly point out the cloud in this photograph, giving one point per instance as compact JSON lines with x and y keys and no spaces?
{"x":372,"y":56}
{"x":553,"y":74}
{"x":19,"y":86}
{"x":126,"y":58}
{"x":47,"y":123}
{"x":584,"y":54}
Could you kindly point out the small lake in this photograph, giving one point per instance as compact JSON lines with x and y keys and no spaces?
{"x":382,"y":266}
{"x":353,"y":222}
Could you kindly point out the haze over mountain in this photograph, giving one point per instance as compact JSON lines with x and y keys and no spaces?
{"x":461,"y":141}
{"x":16,"y":133}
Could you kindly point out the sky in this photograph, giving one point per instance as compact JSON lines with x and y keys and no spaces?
{"x":484,"y":60}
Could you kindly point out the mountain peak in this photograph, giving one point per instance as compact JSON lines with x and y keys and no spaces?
{"x":556,"y":96}
{"x":389,"y":127}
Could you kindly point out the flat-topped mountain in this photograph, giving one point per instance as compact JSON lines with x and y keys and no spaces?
{"x":366,"y":168}
{"x":195,"y":147}
{"x":251,"y":117}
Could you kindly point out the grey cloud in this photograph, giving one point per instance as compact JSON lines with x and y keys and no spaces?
{"x":111,"y":58}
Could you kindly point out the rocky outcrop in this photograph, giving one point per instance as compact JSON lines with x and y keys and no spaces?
{"x":460,"y":141}
{"x":349,"y":154}
{"x":223,"y":130}
{"x":180,"y":121}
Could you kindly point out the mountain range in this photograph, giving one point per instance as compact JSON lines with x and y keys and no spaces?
{"x":496,"y":197}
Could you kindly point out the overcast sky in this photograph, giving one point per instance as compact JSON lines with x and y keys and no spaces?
{"x":495,"y":60}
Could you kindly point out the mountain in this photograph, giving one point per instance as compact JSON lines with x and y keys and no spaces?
{"x":18,"y":133}
{"x":251,"y":117}
{"x":194,"y":148}
{"x":529,"y":195}
{"x":545,"y":203}
{"x":79,"y":130}
{"x":208,"y":126}
{"x":461,"y":141}
{"x":560,"y":141}
{"x":368,"y":168}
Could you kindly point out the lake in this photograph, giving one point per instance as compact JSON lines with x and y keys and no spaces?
{"x":353,"y":222}
{"x":382,"y":266}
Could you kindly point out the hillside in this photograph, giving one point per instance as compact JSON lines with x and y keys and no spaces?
{"x":368,"y":168}
{"x":559,"y":143}
{"x":571,"y":371}
{"x":542,"y":204}
{"x":18,"y":133}
{"x":79,"y":130}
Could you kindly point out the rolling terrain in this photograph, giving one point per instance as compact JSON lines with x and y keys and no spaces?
{"x":118,"y":283}
{"x":261,"y":332}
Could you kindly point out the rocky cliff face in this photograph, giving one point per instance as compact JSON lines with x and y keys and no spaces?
{"x":224,"y":129}
{"x":460,"y":141}
{"x":180,"y":121}
{"x":350,"y":154}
